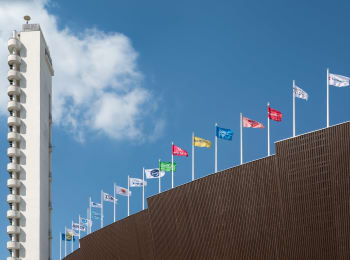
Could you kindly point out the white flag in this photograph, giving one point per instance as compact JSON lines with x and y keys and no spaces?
{"x":76,"y":226}
{"x":135,"y":182}
{"x":299,"y":93}
{"x":122,"y":191}
{"x":85,"y":221}
{"x":154,"y":173}
{"x":109,"y":198}
{"x":338,"y":80}
{"x":96,"y":205}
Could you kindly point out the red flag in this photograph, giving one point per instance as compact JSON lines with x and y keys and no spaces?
{"x":274,"y":114}
{"x":251,"y":123}
{"x":179,"y":151}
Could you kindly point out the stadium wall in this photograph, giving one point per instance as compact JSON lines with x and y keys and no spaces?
{"x":292,"y":205}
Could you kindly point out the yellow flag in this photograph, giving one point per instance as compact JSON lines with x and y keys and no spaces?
{"x":200,"y":142}
{"x":69,"y":236}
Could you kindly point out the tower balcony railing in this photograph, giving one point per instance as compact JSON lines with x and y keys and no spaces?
{"x":13,"y":167}
{"x":13,"y":183}
{"x":12,"y":198}
{"x":14,"y":59}
{"x":13,"y":75}
{"x":13,"y":230}
{"x":13,"y":214}
{"x":13,"y":105}
{"x":13,"y":90}
{"x":13,"y":151}
{"x":14,"y":43}
{"x":11,"y":245}
{"x":12,"y":136}
{"x":13,"y":121}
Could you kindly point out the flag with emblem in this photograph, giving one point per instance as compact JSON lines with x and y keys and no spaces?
{"x":154,"y":173}
{"x":251,"y":123}
{"x":122,"y":191}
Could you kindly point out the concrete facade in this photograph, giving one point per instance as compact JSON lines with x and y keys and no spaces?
{"x":31,"y":137}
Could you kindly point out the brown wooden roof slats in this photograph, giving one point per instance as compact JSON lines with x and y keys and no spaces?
{"x":294,"y":205}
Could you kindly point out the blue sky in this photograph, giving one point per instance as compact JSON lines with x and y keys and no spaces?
{"x":197,"y":63}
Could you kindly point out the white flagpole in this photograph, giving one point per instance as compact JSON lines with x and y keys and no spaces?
{"x":327,"y":97}
{"x":60,"y":245}
{"x":101,"y":208}
{"x":88,"y":224}
{"x":216,"y":149}
{"x":79,"y":231}
{"x":128,"y":196}
{"x":268,"y":131}
{"x":72,"y":237}
{"x":143,"y":188}
{"x":192,"y":156}
{"x":159,"y":188}
{"x":172,"y":166}
{"x":241,"y":126}
{"x":90,"y":214}
{"x":293,"y":109}
{"x":65,"y":241}
{"x":114,"y":202}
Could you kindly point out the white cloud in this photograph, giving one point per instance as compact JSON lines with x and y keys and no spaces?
{"x":97,"y":85}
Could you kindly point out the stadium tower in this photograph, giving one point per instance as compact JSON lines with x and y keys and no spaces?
{"x":29,"y":136}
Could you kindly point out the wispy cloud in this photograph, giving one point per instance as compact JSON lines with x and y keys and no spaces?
{"x":97,"y":85}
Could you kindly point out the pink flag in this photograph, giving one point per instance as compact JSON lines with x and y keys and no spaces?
{"x":179,"y":151}
{"x":251,"y":123}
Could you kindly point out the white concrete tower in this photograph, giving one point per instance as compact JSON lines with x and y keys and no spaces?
{"x":29,"y":139}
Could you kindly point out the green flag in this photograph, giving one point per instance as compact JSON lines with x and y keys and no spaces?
{"x":166,"y":166}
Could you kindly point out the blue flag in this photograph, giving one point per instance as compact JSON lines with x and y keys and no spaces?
{"x":224,"y":133}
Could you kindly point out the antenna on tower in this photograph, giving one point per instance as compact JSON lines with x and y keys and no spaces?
{"x":27,"y":18}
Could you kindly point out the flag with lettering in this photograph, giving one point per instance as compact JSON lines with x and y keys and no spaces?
{"x":108,"y":197}
{"x":251,"y":123}
{"x":200,"y":142}
{"x":299,"y":93}
{"x":78,"y":227}
{"x":338,"y":80}
{"x":224,"y":133}
{"x":274,"y":114}
{"x":135,"y":182}
{"x":95,"y":205}
{"x":179,"y":151}
{"x":166,"y":166}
